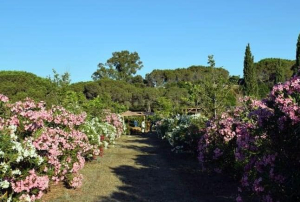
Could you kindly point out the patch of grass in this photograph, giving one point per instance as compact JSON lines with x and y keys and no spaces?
{"x":141,"y":168}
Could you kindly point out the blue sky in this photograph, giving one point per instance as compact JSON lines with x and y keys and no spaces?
{"x":76,"y":35}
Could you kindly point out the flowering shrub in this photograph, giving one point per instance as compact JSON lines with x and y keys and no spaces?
{"x":103,"y":134}
{"x":182,"y":132}
{"x":38,"y":145}
{"x":259,"y":143}
{"x":116,"y":121}
{"x":17,"y":160}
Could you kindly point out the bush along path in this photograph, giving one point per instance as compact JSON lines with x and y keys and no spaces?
{"x":256,"y":143}
{"x":142,"y":168}
{"x":41,"y":146}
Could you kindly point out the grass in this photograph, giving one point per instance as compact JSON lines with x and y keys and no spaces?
{"x":141,"y":168}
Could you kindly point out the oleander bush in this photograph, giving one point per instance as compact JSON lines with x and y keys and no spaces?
{"x":39,"y":146}
{"x":182,"y":132}
{"x":258,"y":144}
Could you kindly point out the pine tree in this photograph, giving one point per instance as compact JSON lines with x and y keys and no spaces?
{"x":296,"y":68}
{"x":250,"y":80}
{"x":279,"y":73}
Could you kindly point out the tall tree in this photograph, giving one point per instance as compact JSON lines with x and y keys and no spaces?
{"x":103,"y":72}
{"x":121,"y":66}
{"x":279,"y":73}
{"x":211,"y":95}
{"x":61,"y":80}
{"x":211,"y":61}
{"x":250,"y":80}
{"x":150,"y":96}
{"x":297,"y":66}
{"x":60,"y":87}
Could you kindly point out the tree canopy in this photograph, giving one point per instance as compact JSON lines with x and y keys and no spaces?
{"x":267,"y":73}
{"x":213,"y":94}
{"x":18,"y":85}
{"x":279,"y":73}
{"x":121,"y":66}
{"x":191,"y":74}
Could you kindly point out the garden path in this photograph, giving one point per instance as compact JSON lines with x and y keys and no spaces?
{"x":141,"y":168}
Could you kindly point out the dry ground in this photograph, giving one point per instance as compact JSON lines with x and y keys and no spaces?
{"x":141,"y":168}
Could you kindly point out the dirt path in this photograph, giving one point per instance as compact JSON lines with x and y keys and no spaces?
{"x":141,"y":168}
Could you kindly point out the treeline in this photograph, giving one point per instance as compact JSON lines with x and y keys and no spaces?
{"x":19,"y":85}
{"x":191,"y":74}
{"x":265,"y":74}
{"x":170,"y":97}
{"x":165,"y":91}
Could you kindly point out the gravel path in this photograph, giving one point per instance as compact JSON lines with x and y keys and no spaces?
{"x":141,"y":168}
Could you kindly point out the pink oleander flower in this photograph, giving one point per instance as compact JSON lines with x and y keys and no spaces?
{"x":239,"y":199}
{"x":3,"y":98}
{"x":77,"y":181}
{"x":30,"y":182}
{"x":217,"y":153}
{"x":257,"y":187}
{"x":244,"y":181}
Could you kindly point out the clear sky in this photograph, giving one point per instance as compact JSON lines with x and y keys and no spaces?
{"x":75,"y":35}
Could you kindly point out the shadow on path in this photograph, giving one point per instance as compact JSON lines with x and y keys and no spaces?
{"x":163,"y":176}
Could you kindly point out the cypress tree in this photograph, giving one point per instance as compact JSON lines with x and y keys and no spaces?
{"x":296,"y":69}
{"x":279,"y":73}
{"x":250,"y":80}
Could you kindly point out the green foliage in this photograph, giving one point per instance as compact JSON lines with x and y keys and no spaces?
{"x":104,"y":72}
{"x":161,"y":78}
{"x":61,"y":81}
{"x":213,"y":94}
{"x":263,"y":89}
{"x":79,"y":87}
{"x":234,"y":79}
{"x":165,"y":108}
{"x":134,"y":97}
{"x":279,"y":73}
{"x":18,"y":85}
{"x":105,"y":95}
{"x":297,"y":65}
{"x":266,"y":71}
{"x":121,"y":66}
{"x":150,"y":97}
{"x":182,"y":132}
{"x":177,"y":95}
{"x":211,"y":61}
{"x":137,"y":80}
{"x":98,"y":106}
{"x":60,"y":84}
{"x":73,"y":101}
{"x":250,"y":80}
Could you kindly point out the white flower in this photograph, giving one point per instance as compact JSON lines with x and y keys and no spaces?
{"x":105,"y":144}
{"x":16,"y":172}
{"x":1,"y":153}
{"x":40,"y":160}
{"x":4,"y":167}
{"x":12,"y":129}
{"x":9,"y":198}
{"x":4,"y":184}
{"x":25,"y":198}
{"x":32,"y":153}
{"x":25,"y":153}
{"x":19,"y":158}
{"x":17,"y":146}
{"x":13,"y":136}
